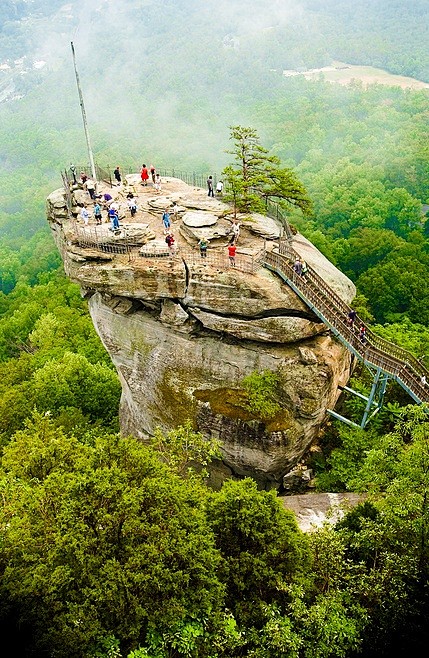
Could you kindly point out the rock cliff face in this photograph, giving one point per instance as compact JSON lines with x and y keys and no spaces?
{"x":183,"y":331}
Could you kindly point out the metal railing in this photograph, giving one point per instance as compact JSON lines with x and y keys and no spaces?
{"x":106,"y":175}
{"x":90,"y":237}
{"x":333,"y":311}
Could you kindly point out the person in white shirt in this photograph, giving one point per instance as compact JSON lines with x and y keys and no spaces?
{"x":84,"y":215}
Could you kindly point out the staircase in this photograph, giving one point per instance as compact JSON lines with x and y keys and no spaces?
{"x":387,"y":360}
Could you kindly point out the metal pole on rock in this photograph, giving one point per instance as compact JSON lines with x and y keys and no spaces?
{"x":85,"y":124}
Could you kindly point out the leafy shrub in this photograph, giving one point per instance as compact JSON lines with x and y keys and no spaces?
{"x":262,"y":390}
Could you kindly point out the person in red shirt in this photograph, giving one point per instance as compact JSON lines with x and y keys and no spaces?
{"x":169,"y":238}
{"x":231,"y":253}
{"x":144,"y":175}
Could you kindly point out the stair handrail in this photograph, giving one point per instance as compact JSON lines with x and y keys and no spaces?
{"x":407,"y":371}
{"x":382,"y":343}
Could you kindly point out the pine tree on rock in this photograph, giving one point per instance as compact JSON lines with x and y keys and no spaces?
{"x":257,"y":177}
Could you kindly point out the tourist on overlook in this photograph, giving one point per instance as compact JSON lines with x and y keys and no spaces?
{"x":144,"y":175}
{"x":235,"y":229}
{"x":132,"y":204}
{"x":175,"y":211}
{"x":84,"y":215}
{"x":297,"y":266}
{"x":114,"y":218}
{"x":117,"y":174}
{"x":210,"y":186}
{"x":166,"y":220}
{"x":219,"y":188}
{"x":203,"y":244}
{"x":169,"y":238}
{"x":97,"y":213}
{"x":73,"y":171}
{"x":89,"y":185}
{"x":158,"y":183}
{"x":231,"y":254}
{"x":152,"y":173}
{"x":107,"y":200}
{"x":83,"y":177}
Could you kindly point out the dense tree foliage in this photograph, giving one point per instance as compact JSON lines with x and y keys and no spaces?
{"x":263,"y":552}
{"x":100,"y":539}
{"x":51,"y":359}
{"x":385,"y":540}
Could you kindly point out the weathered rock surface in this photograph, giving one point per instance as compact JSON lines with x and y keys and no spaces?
{"x":183,"y":332}
{"x":263,"y":226}
{"x":270,"y":329}
{"x":170,"y":376}
{"x":218,"y":231}
{"x":312,"y":510}
{"x":197,"y":219}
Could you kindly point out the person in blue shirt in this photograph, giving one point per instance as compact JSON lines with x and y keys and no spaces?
{"x":113,"y":216}
{"x":166,"y":220}
{"x":97,"y":213}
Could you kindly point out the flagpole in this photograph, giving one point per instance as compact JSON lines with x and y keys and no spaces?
{"x":85,"y":124}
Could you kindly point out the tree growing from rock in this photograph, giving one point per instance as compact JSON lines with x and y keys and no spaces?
{"x":256,"y":177}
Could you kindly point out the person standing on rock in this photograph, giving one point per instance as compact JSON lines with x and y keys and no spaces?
{"x":210,"y":186}
{"x":144,"y":175}
{"x":114,"y":218}
{"x":152,"y":173}
{"x":84,"y":215}
{"x":169,"y":238}
{"x":203,"y":244}
{"x":117,"y":175}
{"x":231,"y":254}
{"x":175,"y":211}
{"x":235,"y":233}
{"x":97,"y":213}
{"x":73,"y":171}
{"x":90,"y":187}
{"x":166,"y":220}
{"x":132,"y":205}
{"x":158,"y":183}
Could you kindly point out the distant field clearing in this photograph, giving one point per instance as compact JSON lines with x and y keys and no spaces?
{"x":343,"y":74}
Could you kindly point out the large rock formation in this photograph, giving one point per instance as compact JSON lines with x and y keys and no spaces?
{"x":184,"y":331}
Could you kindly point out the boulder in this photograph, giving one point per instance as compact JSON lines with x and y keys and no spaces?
{"x":263,"y":226}
{"x":195,"y":219}
{"x":172,"y":314}
{"x":219,"y":231}
{"x":269,"y":329}
{"x":183,"y":332}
